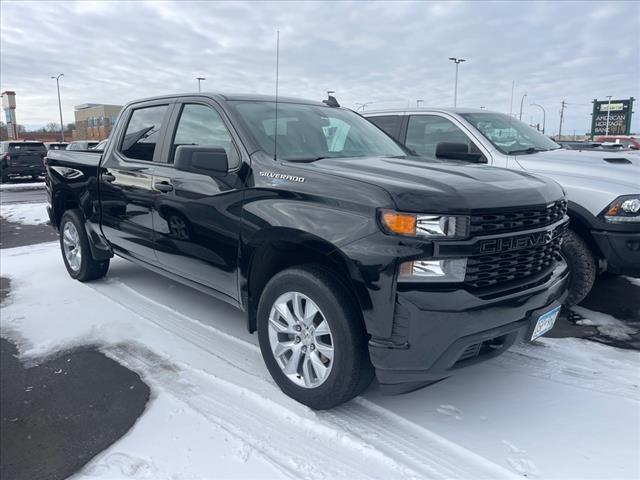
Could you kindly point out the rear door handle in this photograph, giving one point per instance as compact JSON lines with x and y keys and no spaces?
{"x":108,"y":177}
{"x":164,"y":187}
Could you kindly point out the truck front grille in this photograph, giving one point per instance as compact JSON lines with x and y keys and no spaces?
{"x":492,"y":223}
{"x":513,"y":267}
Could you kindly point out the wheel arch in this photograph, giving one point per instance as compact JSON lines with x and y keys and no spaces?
{"x":279,"y":248}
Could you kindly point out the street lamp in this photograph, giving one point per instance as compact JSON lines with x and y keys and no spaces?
{"x":457,"y":61}
{"x":200,"y":79}
{"x":362,"y":105}
{"x":544,"y":115}
{"x":57,"y":79}
{"x":606,"y":132}
{"x":521,"y":102}
{"x":418,"y":102}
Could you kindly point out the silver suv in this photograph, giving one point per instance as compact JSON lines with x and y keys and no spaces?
{"x":603,"y":187}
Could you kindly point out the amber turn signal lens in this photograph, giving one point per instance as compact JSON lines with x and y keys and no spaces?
{"x":613,"y":210}
{"x":400,"y":223}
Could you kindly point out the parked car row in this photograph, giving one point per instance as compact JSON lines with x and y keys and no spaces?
{"x":400,"y":251}
{"x":24,"y":158}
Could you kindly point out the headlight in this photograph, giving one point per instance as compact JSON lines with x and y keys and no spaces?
{"x":444,"y":270}
{"x":424,"y":225}
{"x":623,"y":209}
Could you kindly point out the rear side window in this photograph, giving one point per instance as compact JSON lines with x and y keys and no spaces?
{"x":388,"y":123}
{"x":202,"y":125}
{"x":27,"y":147}
{"x":143,"y":132}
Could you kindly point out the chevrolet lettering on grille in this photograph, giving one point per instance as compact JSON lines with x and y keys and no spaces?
{"x":499,"y":245}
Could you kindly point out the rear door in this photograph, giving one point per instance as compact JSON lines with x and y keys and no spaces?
{"x":196,"y":215}
{"x":126,"y":179}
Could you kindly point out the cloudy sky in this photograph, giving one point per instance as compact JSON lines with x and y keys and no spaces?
{"x":388,"y":53}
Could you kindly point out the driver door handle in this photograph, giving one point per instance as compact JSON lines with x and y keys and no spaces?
{"x":108,"y":177}
{"x":164,"y":186}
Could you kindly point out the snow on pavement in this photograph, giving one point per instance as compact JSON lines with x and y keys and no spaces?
{"x":22,"y":186}
{"x":606,"y":324}
{"x":25,"y":213}
{"x":555,"y":409}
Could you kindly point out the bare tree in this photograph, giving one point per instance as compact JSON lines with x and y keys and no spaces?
{"x":52,"y":127}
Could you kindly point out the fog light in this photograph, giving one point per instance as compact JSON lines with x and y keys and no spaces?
{"x":444,"y":270}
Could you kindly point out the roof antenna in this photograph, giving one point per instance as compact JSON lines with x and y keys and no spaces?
{"x":275,"y":136}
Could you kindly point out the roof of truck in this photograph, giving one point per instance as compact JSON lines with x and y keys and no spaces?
{"x":223,"y":97}
{"x":457,"y":110}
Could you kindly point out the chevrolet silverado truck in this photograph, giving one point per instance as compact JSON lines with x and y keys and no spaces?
{"x":349,"y":256}
{"x":603,"y":187}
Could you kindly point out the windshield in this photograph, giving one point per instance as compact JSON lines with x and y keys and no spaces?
{"x":509,"y":135}
{"x":309,"y":132}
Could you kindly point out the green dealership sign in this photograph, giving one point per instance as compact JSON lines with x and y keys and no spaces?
{"x":611,"y":117}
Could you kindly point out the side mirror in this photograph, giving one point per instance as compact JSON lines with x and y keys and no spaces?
{"x":457,"y":151}
{"x":200,"y":159}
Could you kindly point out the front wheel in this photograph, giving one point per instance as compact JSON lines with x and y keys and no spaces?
{"x":582,"y":267}
{"x":312,"y":337}
{"x":76,"y":254}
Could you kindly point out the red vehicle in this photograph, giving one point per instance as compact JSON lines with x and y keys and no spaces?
{"x":627,"y":141}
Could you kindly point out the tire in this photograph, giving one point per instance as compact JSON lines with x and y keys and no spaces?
{"x":582,"y":267}
{"x":350,"y":370}
{"x":83,"y":268}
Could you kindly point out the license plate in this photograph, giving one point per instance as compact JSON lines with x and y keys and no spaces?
{"x":545,"y":323}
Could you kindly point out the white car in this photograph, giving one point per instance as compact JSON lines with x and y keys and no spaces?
{"x":603,"y":187}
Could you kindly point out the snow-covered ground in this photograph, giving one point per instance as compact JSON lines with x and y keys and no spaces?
{"x":22,"y":186}
{"x":25,"y":213}
{"x":564,"y":408}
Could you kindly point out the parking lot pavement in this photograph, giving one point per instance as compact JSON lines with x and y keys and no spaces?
{"x":57,"y":415}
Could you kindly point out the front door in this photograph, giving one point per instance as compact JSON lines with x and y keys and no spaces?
{"x":126,"y":181}
{"x":197,"y":216}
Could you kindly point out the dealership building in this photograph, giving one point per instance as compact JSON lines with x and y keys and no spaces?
{"x":94,"y":121}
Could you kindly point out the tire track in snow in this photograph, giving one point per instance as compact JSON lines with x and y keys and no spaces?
{"x":360,"y":430}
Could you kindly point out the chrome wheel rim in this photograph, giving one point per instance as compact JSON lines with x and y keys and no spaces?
{"x":71,"y":246}
{"x":301,"y":340}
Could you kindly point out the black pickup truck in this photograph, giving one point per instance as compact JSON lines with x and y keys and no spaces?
{"x":21,"y":158}
{"x":348,"y":256}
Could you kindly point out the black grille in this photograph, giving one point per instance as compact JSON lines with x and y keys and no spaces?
{"x":490,"y":223}
{"x":514,"y":266}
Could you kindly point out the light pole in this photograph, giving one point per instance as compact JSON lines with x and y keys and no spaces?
{"x":457,"y":61}
{"x":362,"y":105}
{"x":418,"y":102}
{"x":200,"y":79}
{"x":57,"y":79}
{"x":544,"y":115}
{"x":606,"y":132}
{"x":521,"y":102}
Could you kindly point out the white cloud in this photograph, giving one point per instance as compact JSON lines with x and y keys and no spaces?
{"x":113,"y":52}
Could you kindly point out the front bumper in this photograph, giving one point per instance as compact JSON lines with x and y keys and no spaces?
{"x":430,"y":344}
{"x":621,"y":250}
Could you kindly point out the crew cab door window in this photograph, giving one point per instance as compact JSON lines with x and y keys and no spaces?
{"x":424,"y":132}
{"x":143,"y":132}
{"x":388,"y":123}
{"x":202,"y":125}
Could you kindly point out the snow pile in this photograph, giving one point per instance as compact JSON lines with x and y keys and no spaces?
{"x":606,"y":324}
{"x":555,"y":409}
{"x":21,"y":186}
{"x":25,"y":213}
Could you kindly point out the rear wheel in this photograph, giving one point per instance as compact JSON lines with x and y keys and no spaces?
{"x":312,"y":337}
{"x":76,"y":253}
{"x":582,"y":267}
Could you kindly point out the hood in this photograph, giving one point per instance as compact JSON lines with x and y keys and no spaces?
{"x":592,"y":179}
{"x":425,"y":185}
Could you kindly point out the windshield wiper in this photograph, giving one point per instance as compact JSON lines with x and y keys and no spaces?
{"x":527,"y":150}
